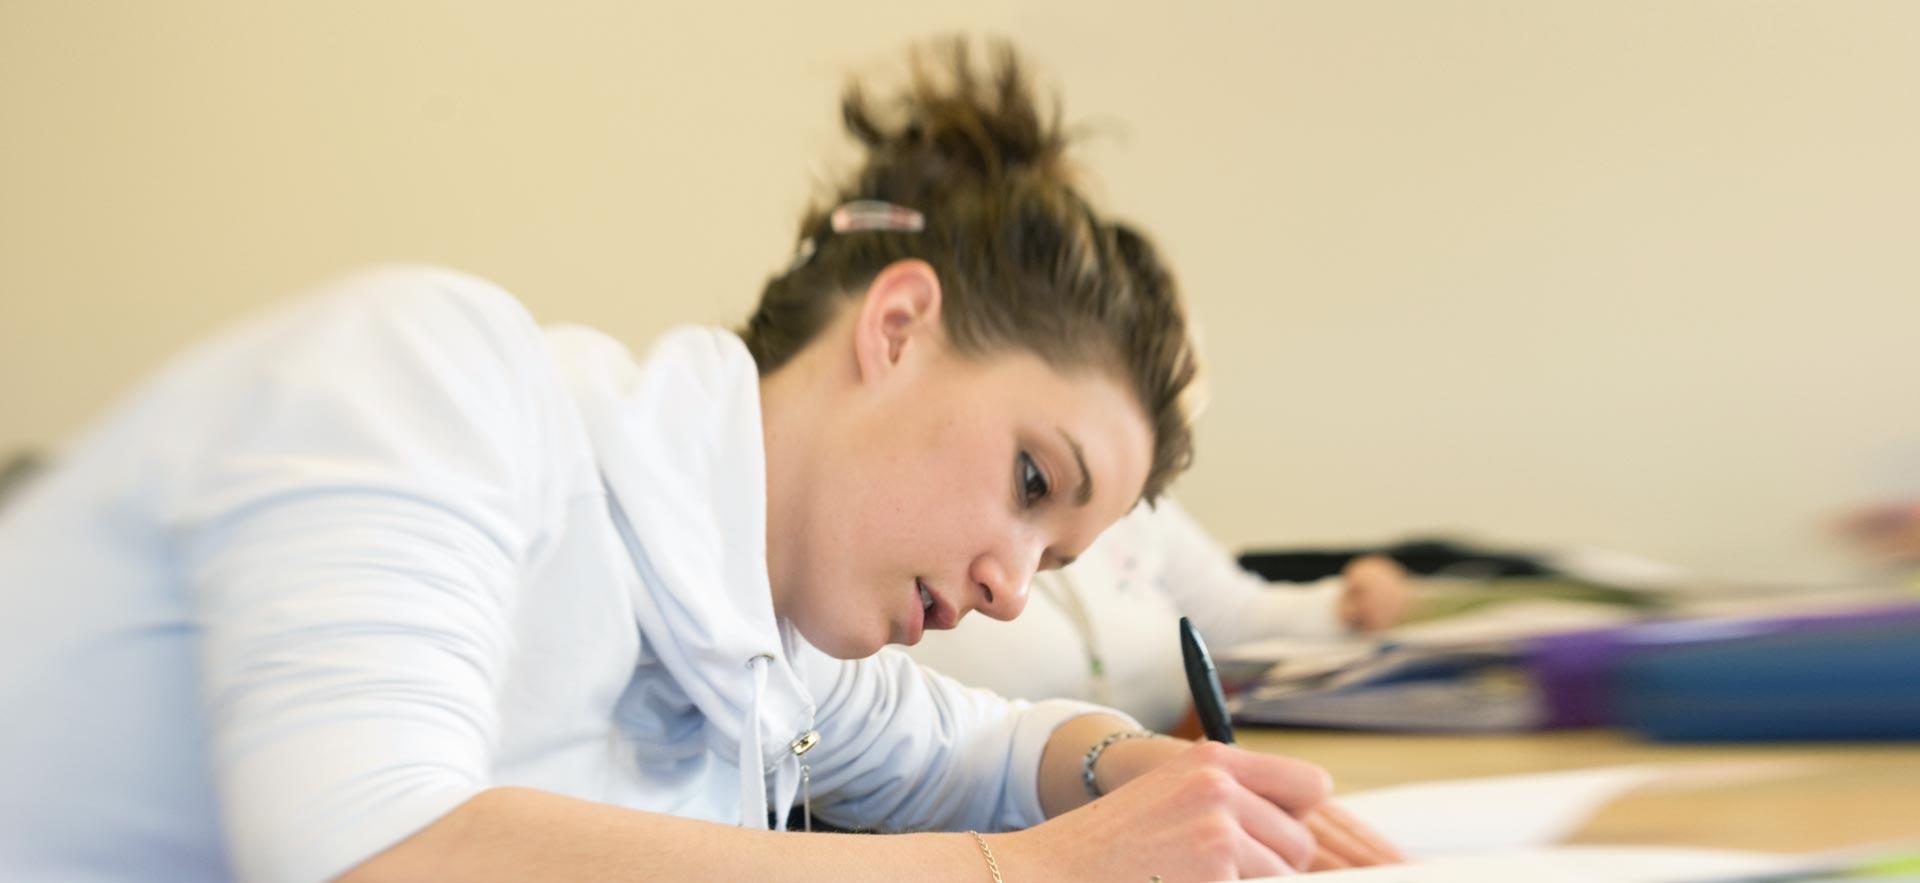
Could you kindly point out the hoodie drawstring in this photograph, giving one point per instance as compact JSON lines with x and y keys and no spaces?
{"x":753,"y":777}
{"x":754,"y":806}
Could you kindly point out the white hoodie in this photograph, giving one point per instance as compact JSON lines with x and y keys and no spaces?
{"x":335,"y":573}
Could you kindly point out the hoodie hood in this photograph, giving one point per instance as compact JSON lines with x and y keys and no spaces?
{"x":681,"y":451}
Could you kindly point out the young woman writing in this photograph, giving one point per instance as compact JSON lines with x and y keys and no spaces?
{"x":395,"y":585}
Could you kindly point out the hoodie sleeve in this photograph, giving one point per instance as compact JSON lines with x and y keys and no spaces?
{"x":1230,"y":605}
{"x":904,"y":748}
{"x":352,"y":545}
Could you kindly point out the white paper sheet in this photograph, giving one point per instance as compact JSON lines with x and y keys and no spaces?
{"x":1496,"y":813}
{"x":1503,"y":828}
{"x":1573,"y":864}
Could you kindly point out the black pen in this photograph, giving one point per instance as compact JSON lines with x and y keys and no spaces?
{"x":1209,"y":701}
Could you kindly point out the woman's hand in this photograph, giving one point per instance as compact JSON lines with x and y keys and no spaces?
{"x":1340,"y":839}
{"x":1192,"y":811}
{"x":1376,"y":593}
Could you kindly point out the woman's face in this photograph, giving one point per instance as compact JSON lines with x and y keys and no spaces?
{"x":945,"y":483}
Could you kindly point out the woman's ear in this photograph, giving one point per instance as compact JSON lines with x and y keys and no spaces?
{"x":900,"y":314}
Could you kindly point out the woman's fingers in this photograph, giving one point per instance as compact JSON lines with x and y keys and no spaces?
{"x":1339,"y":847}
{"x":1327,"y":861}
{"x":1292,"y":785}
{"x":1281,"y":834}
{"x":1252,"y":858}
{"x":1284,"y":807}
{"x":1341,"y":835}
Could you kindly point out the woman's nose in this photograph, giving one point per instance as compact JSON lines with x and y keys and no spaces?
{"x":1002,"y":582}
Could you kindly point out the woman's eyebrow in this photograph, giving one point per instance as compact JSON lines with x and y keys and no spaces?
{"x":1085,"y":493}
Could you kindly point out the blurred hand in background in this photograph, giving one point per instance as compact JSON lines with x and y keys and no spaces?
{"x":1376,"y":593}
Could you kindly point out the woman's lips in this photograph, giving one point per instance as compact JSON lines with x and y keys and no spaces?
{"x":916,"y":623}
{"x":938,"y":616}
{"x":941,"y":616}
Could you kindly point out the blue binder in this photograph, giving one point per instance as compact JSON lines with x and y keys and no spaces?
{"x":1855,"y":681}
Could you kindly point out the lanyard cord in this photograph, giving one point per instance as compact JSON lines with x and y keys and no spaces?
{"x":1065,"y":594}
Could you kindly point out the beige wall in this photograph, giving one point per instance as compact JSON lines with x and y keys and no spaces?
{"x":1635,"y":274}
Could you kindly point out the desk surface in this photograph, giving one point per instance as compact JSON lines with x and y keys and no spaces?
{"x":1810,"y":797}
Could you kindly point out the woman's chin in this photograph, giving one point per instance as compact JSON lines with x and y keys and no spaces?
{"x":845,"y":643}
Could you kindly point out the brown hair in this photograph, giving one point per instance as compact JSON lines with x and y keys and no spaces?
{"x":1024,"y":261}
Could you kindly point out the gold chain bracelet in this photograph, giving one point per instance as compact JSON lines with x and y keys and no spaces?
{"x":993,"y":867}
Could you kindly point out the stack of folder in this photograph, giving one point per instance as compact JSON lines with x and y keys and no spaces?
{"x":1849,"y":673}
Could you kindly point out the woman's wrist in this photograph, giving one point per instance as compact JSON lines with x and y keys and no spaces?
{"x":986,"y":852}
{"x":1025,"y":856}
{"x":1092,"y":758}
{"x":1060,"y":785}
{"x":1127,"y":759}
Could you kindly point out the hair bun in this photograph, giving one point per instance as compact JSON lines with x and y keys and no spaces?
{"x":966,"y":171}
{"x":956,"y":119}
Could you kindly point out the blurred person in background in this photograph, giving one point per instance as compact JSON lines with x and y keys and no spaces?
{"x":1102,"y":628}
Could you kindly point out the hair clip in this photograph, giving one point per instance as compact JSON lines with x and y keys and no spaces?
{"x":863,"y":215}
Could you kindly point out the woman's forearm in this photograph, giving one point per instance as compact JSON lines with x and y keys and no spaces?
{"x":1205,"y":811}
{"x":513,"y":834}
{"x":1062,"y":781}
{"x":516,"y":834}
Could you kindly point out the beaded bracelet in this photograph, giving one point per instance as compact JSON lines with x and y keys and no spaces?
{"x":1093,"y":754}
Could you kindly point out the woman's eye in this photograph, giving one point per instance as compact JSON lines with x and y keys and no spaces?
{"x":1032,"y":482}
